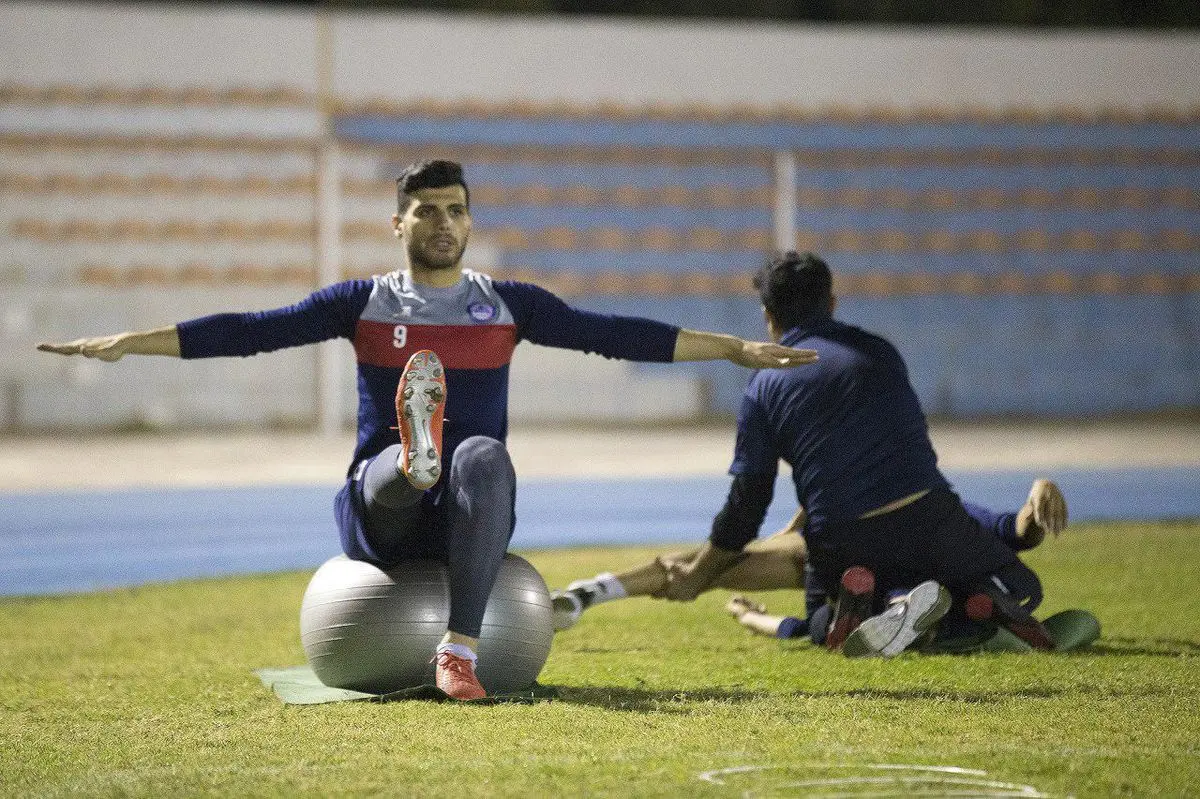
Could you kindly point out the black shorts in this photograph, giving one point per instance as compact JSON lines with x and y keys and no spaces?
{"x":933,"y":538}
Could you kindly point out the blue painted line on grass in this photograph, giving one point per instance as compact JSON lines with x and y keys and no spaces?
{"x":82,"y":541}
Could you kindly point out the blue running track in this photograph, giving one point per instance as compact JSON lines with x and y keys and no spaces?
{"x":82,"y":541}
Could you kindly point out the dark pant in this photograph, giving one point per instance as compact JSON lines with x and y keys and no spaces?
{"x":933,"y":538}
{"x":468,"y":528}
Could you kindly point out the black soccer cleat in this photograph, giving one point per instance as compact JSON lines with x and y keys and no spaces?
{"x":994,"y":605}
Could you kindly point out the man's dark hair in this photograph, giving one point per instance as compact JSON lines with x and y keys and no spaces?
{"x":795,"y":287}
{"x":428,"y":175}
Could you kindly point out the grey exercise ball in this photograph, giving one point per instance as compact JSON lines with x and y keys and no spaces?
{"x":375,"y":630}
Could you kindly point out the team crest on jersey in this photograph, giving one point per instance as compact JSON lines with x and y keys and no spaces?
{"x":481,"y":311}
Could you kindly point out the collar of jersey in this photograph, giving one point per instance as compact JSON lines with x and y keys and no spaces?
{"x":805,"y":329}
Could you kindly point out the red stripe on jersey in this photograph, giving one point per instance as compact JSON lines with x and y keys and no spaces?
{"x":458,"y":346}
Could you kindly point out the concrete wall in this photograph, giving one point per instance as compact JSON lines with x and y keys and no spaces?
{"x":86,"y":44}
{"x":455,"y":57}
{"x":142,"y":109}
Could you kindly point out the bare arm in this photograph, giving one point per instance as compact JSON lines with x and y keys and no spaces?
{"x":162,"y":341}
{"x":696,"y":345}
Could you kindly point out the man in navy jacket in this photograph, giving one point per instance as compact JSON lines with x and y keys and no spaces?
{"x":880,"y":515}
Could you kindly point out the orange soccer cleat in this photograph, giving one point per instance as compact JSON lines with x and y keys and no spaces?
{"x":420,"y":406}
{"x":456,"y":677}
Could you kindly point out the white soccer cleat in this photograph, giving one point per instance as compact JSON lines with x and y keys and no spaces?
{"x":567,"y":608}
{"x":420,"y":407}
{"x":895,"y":630}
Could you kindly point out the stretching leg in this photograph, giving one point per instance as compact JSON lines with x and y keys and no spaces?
{"x":479,"y":496}
{"x":393,"y":506}
{"x":768,"y":564}
{"x":479,"y":502}
{"x":759,"y":570}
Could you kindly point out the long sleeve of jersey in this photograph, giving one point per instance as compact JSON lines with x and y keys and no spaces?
{"x":543,"y":318}
{"x":329,"y":313}
{"x":1002,"y":525}
{"x":738,"y":522}
{"x":755,"y":464}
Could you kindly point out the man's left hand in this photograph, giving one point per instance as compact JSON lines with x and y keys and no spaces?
{"x":1048,"y":506}
{"x":768,"y":355}
{"x":698,"y":345}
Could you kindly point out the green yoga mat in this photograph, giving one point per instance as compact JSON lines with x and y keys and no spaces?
{"x":1069,"y":629}
{"x":1072,"y":629}
{"x":298,"y":685}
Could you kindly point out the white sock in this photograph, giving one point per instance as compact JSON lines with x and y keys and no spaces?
{"x":600,"y":588}
{"x":459,"y":650}
{"x":610,"y":587}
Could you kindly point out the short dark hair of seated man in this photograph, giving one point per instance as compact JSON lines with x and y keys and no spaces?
{"x":795,"y":287}
{"x":433,"y":174}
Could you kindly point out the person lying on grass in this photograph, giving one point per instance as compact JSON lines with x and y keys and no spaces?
{"x":778,"y":562}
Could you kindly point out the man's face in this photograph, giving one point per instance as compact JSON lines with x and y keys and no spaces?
{"x":435,"y":227}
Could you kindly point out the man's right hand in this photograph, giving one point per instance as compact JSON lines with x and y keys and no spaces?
{"x":161,"y":341}
{"x":106,"y":348}
{"x":1044,"y":512}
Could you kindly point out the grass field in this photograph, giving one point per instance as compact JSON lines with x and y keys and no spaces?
{"x":149,"y":692}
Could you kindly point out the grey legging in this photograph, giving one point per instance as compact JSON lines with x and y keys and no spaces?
{"x":470,"y":533}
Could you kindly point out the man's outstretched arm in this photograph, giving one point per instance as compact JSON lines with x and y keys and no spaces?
{"x":543,"y":318}
{"x":161,"y":341}
{"x":331,"y":312}
{"x":696,"y":345}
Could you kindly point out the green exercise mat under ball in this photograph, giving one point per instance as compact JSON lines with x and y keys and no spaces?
{"x":299,"y":685}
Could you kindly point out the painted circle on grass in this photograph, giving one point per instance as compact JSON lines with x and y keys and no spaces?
{"x":817,"y":780}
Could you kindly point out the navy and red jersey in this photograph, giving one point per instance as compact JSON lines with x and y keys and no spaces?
{"x":850,"y":426}
{"x":473,"y":326}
